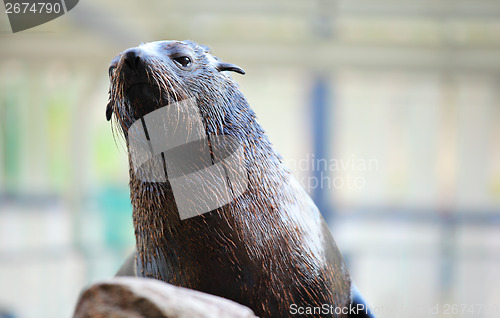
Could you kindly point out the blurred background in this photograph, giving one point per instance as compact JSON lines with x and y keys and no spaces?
{"x":387,"y":111}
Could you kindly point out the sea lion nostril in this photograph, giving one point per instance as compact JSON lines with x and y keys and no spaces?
{"x":132,"y":58}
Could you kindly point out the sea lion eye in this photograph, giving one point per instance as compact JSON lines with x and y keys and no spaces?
{"x":183,"y":60}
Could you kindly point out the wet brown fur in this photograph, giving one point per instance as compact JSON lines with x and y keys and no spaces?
{"x":269,"y":248}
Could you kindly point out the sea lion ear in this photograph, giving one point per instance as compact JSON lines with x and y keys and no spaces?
{"x":109,"y":111}
{"x":229,"y":67}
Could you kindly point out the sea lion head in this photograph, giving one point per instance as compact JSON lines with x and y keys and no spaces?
{"x":180,"y":114}
{"x":155,"y":74}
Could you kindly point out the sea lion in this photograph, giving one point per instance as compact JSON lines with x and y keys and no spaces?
{"x":268,"y":247}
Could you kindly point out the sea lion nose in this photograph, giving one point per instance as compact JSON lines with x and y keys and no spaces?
{"x":133,"y":58}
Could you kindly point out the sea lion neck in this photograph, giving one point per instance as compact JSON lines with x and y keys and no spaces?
{"x":232,"y":119}
{"x":160,"y":231}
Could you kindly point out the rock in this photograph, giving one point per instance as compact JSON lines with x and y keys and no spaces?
{"x":145,"y":297}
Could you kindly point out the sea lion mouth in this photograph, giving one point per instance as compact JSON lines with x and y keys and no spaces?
{"x":142,"y":93}
{"x":136,"y":92}
{"x":140,"y":98}
{"x":136,"y":85}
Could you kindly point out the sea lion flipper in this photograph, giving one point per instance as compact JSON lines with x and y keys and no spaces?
{"x":359,"y":305}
